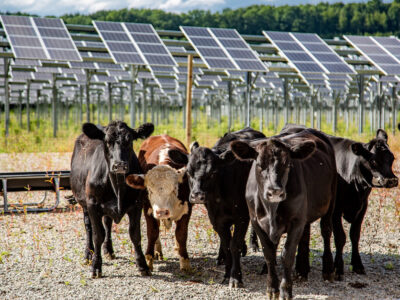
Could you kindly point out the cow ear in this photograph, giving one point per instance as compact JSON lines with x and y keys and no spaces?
{"x":398,"y":126}
{"x":136,"y":181}
{"x":178,"y":157}
{"x":92,"y":131}
{"x":226,"y":157}
{"x":194,"y":146}
{"x":381,"y":134}
{"x":359,"y":150}
{"x":243,"y":151}
{"x":302,"y":150}
{"x":181,"y":174}
{"x":143,"y":131}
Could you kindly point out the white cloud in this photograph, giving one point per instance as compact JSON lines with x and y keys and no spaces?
{"x":54,"y":7}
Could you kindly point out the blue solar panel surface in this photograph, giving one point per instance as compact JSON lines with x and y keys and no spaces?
{"x":40,"y":38}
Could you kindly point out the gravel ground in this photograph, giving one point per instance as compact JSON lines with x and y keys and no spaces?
{"x":41,"y":255}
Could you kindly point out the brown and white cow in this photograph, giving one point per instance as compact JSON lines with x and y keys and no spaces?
{"x":167,"y":196}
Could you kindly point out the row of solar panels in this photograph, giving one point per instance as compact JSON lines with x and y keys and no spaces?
{"x":219,"y":49}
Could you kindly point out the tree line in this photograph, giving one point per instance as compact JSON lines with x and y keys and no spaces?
{"x":326,"y":19}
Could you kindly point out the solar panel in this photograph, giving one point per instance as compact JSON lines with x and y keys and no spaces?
{"x":40,"y":38}
{"x":390,"y":44}
{"x":136,"y":44}
{"x":378,"y":51}
{"x":241,"y":53}
{"x":208,"y":48}
{"x":297,"y":56}
{"x":118,"y":43}
{"x":322,"y":53}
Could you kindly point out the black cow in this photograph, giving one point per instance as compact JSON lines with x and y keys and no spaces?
{"x":360,"y":167}
{"x":219,"y":181}
{"x":100,"y":161}
{"x":291,"y":184}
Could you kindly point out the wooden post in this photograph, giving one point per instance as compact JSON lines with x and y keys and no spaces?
{"x":189,"y":100}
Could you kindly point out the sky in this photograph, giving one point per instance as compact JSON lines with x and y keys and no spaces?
{"x":60,"y":7}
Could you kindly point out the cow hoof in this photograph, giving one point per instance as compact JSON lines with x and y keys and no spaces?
{"x":184,"y":264}
{"x":338,"y":277}
{"x":96,"y":274}
{"x":158,"y":255}
{"x":145,"y":273}
{"x":328,"y":276}
{"x":149,"y":260}
{"x":225,"y":280}
{"x":273,"y":296}
{"x":110,"y":256}
{"x":359,"y":270}
{"x":285,"y":298}
{"x":234,"y":283}
{"x":301,"y":277}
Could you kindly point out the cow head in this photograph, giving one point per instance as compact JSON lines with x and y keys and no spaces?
{"x":273,"y":159}
{"x":117,"y":138}
{"x":162,"y":184}
{"x":202,"y":166}
{"x":376,"y":161}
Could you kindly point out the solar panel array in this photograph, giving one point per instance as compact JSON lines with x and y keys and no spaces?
{"x":378,"y":51}
{"x":39,"y":38}
{"x":135,"y":44}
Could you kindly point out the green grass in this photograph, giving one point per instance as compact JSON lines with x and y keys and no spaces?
{"x":206,"y":132}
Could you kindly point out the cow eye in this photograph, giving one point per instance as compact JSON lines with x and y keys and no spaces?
{"x":373,"y":163}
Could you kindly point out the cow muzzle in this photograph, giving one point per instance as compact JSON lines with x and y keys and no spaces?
{"x":162,"y":214}
{"x":275,"y":195}
{"x":197,"y":198}
{"x":120,"y":167}
{"x":391,"y":182}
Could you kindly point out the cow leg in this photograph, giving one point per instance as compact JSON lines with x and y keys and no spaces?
{"x":89,"y":249}
{"x":269,"y":250}
{"x":134,"y":233}
{"x":95,"y":216}
{"x":153,"y":233}
{"x":253,"y":240}
{"x":302,"y":258}
{"x":288,"y":255}
{"x":355,"y":231}
{"x":236,"y":246}
{"x":181,"y":234}
{"x":107,"y":246}
{"x":327,"y":258}
{"x":221,"y":256}
{"x":224,"y":233}
{"x":340,"y":241}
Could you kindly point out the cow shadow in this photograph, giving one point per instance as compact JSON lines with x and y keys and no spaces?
{"x":382,"y":270}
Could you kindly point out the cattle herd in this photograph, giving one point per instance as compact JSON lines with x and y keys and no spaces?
{"x":281,"y":184}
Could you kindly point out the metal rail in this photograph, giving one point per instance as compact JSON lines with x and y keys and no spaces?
{"x":33,"y":181}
